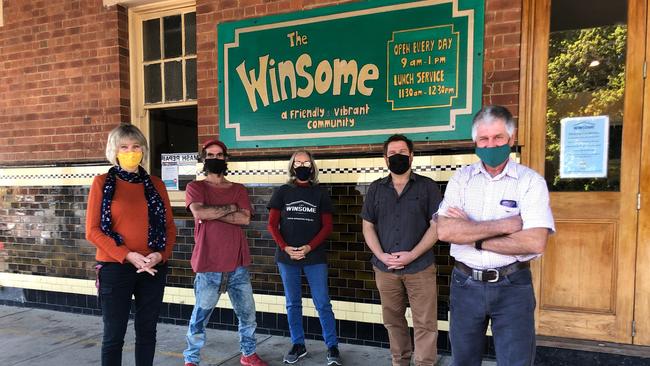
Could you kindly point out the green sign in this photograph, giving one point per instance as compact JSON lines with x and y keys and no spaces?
{"x":352,"y":74}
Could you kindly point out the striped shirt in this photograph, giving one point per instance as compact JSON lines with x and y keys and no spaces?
{"x":517,"y":190}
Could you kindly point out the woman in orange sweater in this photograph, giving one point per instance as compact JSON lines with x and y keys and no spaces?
{"x":129,"y":220}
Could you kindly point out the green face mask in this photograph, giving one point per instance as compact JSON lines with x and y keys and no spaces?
{"x":493,"y":156}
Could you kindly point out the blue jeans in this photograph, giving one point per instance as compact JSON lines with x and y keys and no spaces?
{"x":317,"y":277}
{"x":509,"y":303}
{"x":206,"y":292}
{"x":117,"y":283}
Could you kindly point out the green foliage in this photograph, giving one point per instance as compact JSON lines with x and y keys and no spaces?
{"x":577,"y":89}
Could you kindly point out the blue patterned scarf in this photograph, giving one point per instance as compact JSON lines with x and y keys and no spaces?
{"x":155,"y":206}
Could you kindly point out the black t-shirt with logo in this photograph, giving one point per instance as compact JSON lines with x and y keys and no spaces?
{"x":300,"y":219}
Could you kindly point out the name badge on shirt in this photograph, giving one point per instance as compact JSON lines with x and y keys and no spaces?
{"x":509,"y":203}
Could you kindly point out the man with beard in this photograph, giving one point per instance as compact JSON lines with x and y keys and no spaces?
{"x":399,"y":230}
{"x":221,"y":255}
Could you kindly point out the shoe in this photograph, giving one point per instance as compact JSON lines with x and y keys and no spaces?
{"x":297,"y":352}
{"x":252,"y":360}
{"x":190,"y":364}
{"x":334,"y":356}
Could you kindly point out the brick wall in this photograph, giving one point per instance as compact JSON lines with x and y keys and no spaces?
{"x":64,"y":80}
{"x":502,"y":53}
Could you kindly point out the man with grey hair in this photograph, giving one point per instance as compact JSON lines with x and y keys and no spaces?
{"x":497,"y":217}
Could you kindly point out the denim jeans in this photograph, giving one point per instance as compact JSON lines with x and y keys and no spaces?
{"x":317,"y":278}
{"x":117,"y":284}
{"x":509,"y":303}
{"x":206,"y":292}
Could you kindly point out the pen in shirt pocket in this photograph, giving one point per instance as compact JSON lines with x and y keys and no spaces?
{"x":509,"y":203}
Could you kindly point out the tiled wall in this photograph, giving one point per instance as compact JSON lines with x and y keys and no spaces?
{"x":42,"y":230}
{"x":45,"y":258}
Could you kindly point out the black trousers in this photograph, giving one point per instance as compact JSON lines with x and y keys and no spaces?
{"x":117,"y":284}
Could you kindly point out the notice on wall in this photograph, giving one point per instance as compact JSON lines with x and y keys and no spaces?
{"x":584,"y":144}
{"x":351,"y":74}
{"x":178,"y":170}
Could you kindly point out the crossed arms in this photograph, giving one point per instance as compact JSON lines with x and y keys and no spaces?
{"x":230,"y":213}
{"x":503,"y":236}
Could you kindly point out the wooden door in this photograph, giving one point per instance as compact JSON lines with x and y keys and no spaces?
{"x":642,"y":298}
{"x":585,"y":282}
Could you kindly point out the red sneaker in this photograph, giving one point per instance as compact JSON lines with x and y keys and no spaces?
{"x":252,"y":360}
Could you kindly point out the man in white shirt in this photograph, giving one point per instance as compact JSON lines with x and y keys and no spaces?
{"x":497,"y":217}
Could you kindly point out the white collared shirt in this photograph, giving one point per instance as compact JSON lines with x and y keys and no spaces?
{"x":517,"y":190}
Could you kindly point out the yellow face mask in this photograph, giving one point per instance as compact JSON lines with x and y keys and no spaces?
{"x":129,"y":160}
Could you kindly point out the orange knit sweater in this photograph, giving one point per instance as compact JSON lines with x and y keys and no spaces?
{"x":130,"y":219}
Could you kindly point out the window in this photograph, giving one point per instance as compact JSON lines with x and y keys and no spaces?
{"x":169,"y":58}
{"x":163,"y":65}
{"x":172,"y":130}
{"x":586,"y":77}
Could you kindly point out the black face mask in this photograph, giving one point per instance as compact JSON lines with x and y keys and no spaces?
{"x":303,"y":173}
{"x":399,"y":163}
{"x":215,"y":166}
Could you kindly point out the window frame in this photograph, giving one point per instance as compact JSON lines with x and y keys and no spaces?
{"x":137,"y":16}
{"x":164,"y":60}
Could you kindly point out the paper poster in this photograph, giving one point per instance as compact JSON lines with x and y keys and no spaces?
{"x":584,"y":143}
{"x":178,"y":169}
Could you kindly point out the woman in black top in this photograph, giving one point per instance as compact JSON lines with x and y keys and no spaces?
{"x":300,"y":220}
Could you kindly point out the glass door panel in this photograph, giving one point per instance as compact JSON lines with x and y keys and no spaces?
{"x":586,"y":77}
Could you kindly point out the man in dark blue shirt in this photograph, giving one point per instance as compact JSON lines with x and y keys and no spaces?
{"x":398,"y":228}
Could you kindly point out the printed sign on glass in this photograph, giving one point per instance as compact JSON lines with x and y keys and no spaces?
{"x":583,"y":147}
{"x":178,"y":169}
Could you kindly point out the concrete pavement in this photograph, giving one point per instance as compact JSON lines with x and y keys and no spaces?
{"x":39,"y":337}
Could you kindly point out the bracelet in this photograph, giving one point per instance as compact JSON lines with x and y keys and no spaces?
{"x":478,"y":244}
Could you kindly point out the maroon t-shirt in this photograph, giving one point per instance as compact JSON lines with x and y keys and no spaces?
{"x":219,"y":246}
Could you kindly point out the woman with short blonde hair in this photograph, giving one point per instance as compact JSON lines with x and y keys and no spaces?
{"x":129,"y":220}
{"x":125,"y":132}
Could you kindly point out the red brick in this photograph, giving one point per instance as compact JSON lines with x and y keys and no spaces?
{"x":511,"y":63}
{"x":511,"y":87}
{"x":504,"y":99}
{"x":74,"y":64}
{"x":53,"y":46}
{"x":498,"y":5}
{"x":502,"y":52}
{"x":510,"y":15}
{"x":503,"y":28}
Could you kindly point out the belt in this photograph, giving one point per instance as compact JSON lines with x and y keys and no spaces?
{"x":491,"y":274}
